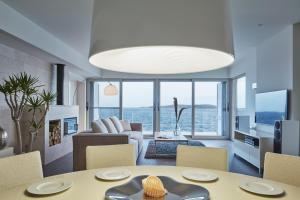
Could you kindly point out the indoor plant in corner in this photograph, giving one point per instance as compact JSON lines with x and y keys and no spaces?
{"x":35,"y":104}
{"x":20,"y":91}
{"x":177,"y":116}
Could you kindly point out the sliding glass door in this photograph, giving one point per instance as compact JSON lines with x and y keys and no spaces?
{"x":208,"y":108}
{"x":137,"y":102}
{"x":150,"y":102}
{"x":104,"y":106}
{"x":183,"y":92}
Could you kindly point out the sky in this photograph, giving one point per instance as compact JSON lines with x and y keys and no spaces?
{"x":140,"y":94}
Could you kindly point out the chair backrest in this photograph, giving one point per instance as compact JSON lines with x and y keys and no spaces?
{"x":282,"y":168}
{"x":20,"y":169}
{"x":202,"y":157}
{"x":110,"y":156}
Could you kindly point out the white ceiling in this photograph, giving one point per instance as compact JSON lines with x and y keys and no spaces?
{"x":255,"y":20}
{"x":70,"y":20}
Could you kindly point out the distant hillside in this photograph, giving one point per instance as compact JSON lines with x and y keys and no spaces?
{"x":206,"y":106}
{"x":202,"y":106}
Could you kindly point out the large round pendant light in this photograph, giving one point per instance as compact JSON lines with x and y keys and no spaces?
{"x":161,"y":37}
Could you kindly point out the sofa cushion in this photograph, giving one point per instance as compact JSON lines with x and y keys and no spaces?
{"x":126,"y":125}
{"x":109,"y":125}
{"x":117,"y":124}
{"x":98,"y":127}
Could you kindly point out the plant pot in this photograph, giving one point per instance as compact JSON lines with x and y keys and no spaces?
{"x":177,"y":130}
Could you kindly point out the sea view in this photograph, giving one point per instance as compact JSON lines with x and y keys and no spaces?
{"x":206,"y":117}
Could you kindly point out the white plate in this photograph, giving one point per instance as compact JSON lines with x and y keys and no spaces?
{"x":261,"y":187}
{"x":198,"y":175}
{"x":113,"y":175}
{"x":49,"y":187}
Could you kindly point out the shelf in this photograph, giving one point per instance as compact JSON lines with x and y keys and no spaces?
{"x":250,"y":153}
{"x":256,"y":134}
{"x":241,"y":141}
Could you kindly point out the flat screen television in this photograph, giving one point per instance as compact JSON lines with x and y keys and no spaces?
{"x":271,"y":106}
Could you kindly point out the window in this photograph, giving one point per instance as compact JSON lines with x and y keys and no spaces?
{"x":150,"y":102}
{"x":207,"y":108}
{"x":103,"y":105}
{"x":137,"y":101}
{"x":183,"y":92}
{"x":241,"y":92}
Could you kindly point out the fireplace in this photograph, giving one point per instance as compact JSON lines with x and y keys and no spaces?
{"x":54,"y":132}
{"x":51,"y":141}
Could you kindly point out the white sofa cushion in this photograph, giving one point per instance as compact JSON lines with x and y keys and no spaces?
{"x":117,"y":124}
{"x":109,"y":125}
{"x":98,"y":127}
{"x":126,"y":125}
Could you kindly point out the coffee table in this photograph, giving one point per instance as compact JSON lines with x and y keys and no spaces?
{"x":168,"y":137}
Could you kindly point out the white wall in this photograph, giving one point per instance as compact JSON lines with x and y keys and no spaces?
{"x":275,"y":65}
{"x":13,"y":61}
{"x":246,"y":65}
{"x":275,"y":62}
{"x":16,"y":24}
{"x":295,"y":108}
{"x":269,"y":64}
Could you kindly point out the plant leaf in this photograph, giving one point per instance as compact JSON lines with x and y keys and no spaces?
{"x":180,"y":113}
{"x":47,"y":97}
{"x":175,"y":102}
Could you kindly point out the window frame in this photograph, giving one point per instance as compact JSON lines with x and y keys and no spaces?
{"x":156,"y":101}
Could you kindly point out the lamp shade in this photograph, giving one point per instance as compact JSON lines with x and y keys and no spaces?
{"x":110,"y":90}
{"x":161,"y":36}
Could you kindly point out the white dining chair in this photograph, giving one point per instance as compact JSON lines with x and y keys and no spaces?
{"x":20,"y":169}
{"x":202,"y":157}
{"x":110,"y":156}
{"x":282,"y":168}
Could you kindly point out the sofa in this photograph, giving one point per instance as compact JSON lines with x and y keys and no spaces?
{"x":107,"y":131}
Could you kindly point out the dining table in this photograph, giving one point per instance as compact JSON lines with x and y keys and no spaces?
{"x":85,"y":186}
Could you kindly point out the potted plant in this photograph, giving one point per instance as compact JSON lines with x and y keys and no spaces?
{"x":35,"y":104}
{"x":177,"y":116}
{"x":19,"y":91}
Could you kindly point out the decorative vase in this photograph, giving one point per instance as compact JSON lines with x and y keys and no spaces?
{"x":33,"y":135}
{"x":177,"y":130}
{"x":3,"y":138}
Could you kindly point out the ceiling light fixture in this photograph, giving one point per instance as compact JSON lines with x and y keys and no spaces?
{"x":161,"y":37}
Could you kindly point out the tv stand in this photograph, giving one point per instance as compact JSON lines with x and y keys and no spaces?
{"x":253,"y":153}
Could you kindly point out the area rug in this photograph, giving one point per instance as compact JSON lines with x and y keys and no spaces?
{"x":166,"y":149}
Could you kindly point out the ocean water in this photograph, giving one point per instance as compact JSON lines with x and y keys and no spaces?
{"x":269,"y":117}
{"x":206,"y":117}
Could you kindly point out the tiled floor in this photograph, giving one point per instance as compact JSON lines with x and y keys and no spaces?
{"x":236,"y":164}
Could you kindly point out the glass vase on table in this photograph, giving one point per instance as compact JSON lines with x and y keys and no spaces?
{"x":177,"y":130}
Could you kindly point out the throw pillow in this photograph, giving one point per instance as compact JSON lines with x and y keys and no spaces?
{"x":117,"y":124}
{"x":109,"y":125}
{"x":126,"y":125}
{"x":98,"y":127}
